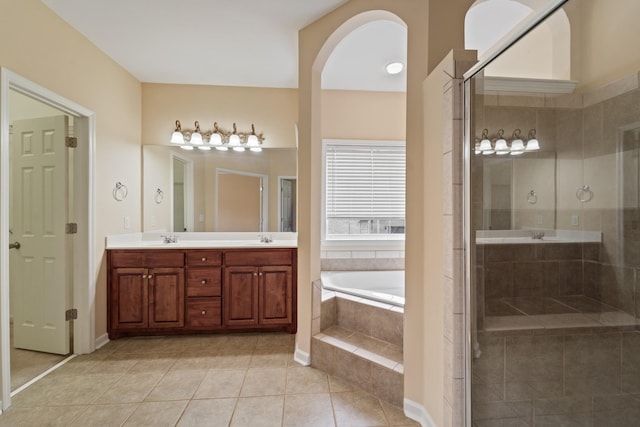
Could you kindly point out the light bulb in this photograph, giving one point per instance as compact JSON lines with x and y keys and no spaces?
{"x":215,"y":139}
{"x":222,"y":148}
{"x":196,"y":136}
{"x":517,"y":145}
{"x":204,"y":147}
{"x":394,"y":67}
{"x":186,"y":147}
{"x":532,"y":145}
{"x":501,"y":145}
{"x":177,"y":137}
{"x":234,"y":140}
{"x":239,"y":149}
{"x":256,"y":149}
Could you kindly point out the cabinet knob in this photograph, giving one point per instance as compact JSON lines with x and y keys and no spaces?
{"x":204,"y":259}
{"x":149,"y":276}
{"x":204,"y":281}
{"x":255,"y":274}
{"x":260,"y":274}
{"x":203,"y":312}
{"x":144,"y":276}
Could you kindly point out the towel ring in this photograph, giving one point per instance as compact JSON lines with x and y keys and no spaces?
{"x":584,"y":194}
{"x":159,"y":197}
{"x":532,"y":197}
{"x":120,"y":191}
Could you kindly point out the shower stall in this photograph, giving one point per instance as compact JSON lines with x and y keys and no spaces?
{"x":553,"y":214}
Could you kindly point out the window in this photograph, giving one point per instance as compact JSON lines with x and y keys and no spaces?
{"x":364,"y":190}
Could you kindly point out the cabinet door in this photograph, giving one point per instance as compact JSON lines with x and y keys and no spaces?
{"x":240,"y":296}
{"x":166,"y":297}
{"x":129,"y":308}
{"x":275,"y":295}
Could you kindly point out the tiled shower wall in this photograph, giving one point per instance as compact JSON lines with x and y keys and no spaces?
{"x":596,"y":139}
{"x":579,"y":377}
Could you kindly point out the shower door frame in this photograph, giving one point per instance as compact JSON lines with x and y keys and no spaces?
{"x":513,"y":37}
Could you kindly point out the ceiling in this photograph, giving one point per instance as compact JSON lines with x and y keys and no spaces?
{"x":232,"y":42}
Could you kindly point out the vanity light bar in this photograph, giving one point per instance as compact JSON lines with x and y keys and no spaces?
{"x":217,"y":138}
{"x":499,"y":146}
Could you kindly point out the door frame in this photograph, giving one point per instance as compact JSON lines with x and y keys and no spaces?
{"x":188,"y":190}
{"x":280,"y":179}
{"x":84,"y":266}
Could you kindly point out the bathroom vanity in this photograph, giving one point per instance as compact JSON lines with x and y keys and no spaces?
{"x":219,"y":284}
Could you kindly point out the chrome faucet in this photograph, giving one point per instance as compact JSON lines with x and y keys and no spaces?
{"x":537,"y":235}
{"x":265,"y":239}
{"x":170,"y":238}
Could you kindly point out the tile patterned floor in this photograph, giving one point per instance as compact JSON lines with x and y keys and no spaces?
{"x":215,"y":380}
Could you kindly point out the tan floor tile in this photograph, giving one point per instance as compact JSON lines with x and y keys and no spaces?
{"x":276,"y":340}
{"x":270,"y":358}
{"x":71,"y":390}
{"x":336,"y":385}
{"x":130,"y":388}
{"x":143,"y":345}
{"x":160,"y":363}
{"x":220,"y":383}
{"x":309,"y":410}
{"x":177,"y":385}
{"x":157,"y":414}
{"x":262,"y":411}
{"x":40,"y":416}
{"x":231,"y":361}
{"x":395,"y":416}
{"x":192,"y":361}
{"x":209,"y":412}
{"x":105,"y":415}
{"x":357,"y":409}
{"x":306,"y":380}
{"x":264,"y":382}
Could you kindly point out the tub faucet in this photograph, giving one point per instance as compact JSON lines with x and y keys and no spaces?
{"x":537,"y":235}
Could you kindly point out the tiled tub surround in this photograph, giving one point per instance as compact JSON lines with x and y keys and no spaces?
{"x":359,"y":341}
{"x":549,"y":285}
{"x":580,"y":377}
{"x":366,"y":260}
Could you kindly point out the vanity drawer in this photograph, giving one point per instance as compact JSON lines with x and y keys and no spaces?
{"x":204,"y":282}
{"x":257,"y":258}
{"x":204,"y":313}
{"x":204,"y":258}
{"x":151,"y":258}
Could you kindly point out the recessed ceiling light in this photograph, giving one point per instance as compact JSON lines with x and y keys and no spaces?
{"x":395,"y":67}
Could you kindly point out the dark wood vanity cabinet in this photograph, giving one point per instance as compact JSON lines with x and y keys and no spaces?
{"x":204,"y":289}
{"x":146,"y":291}
{"x":159,"y":291}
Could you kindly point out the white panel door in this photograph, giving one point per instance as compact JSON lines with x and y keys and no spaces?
{"x":38,"y":214}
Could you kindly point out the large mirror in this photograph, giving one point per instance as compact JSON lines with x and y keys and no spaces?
{"x":218,"y":190}
{"x":518,"y":192}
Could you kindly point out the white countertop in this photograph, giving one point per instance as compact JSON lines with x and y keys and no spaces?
{"x":154,"y":240}
{"x":494,"y":237}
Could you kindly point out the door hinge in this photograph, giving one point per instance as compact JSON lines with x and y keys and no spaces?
{"x":71,"y":314}
{"x":71,"y":141}
{"x":71,"y":228}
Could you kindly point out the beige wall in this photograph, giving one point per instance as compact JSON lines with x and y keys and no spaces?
{"x":433,"y":29}
{"x":273,"y":111}
{"x":603,"y":41}
{"x":348,"y":114}
{"x":39,"y":46}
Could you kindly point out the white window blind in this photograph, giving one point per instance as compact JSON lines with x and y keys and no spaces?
{"x":365,"y":181}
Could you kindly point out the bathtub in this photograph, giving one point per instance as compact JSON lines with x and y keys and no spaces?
{"x":382,"y":286}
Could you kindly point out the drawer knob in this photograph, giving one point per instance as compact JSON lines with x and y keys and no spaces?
{"x":259,"y":274}
{"x":203,"y":312}
{"x":144,"y":276}
{"x":203,"y":259}
{"x":204,"y":281}
{"x":149,"y":276}
{"x":255,"y":274}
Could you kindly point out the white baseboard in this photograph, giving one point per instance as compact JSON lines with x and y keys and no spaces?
{"x":418,"y":413}
{"x":102,"y":340}
{"x":302,"y":357}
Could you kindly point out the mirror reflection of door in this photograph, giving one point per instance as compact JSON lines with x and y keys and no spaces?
{"x":240,"y":202}
{"x":182,"y":200}
{"x":178,"y":195}
{"x":39,"y":265}
{"x":287,"y":204}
